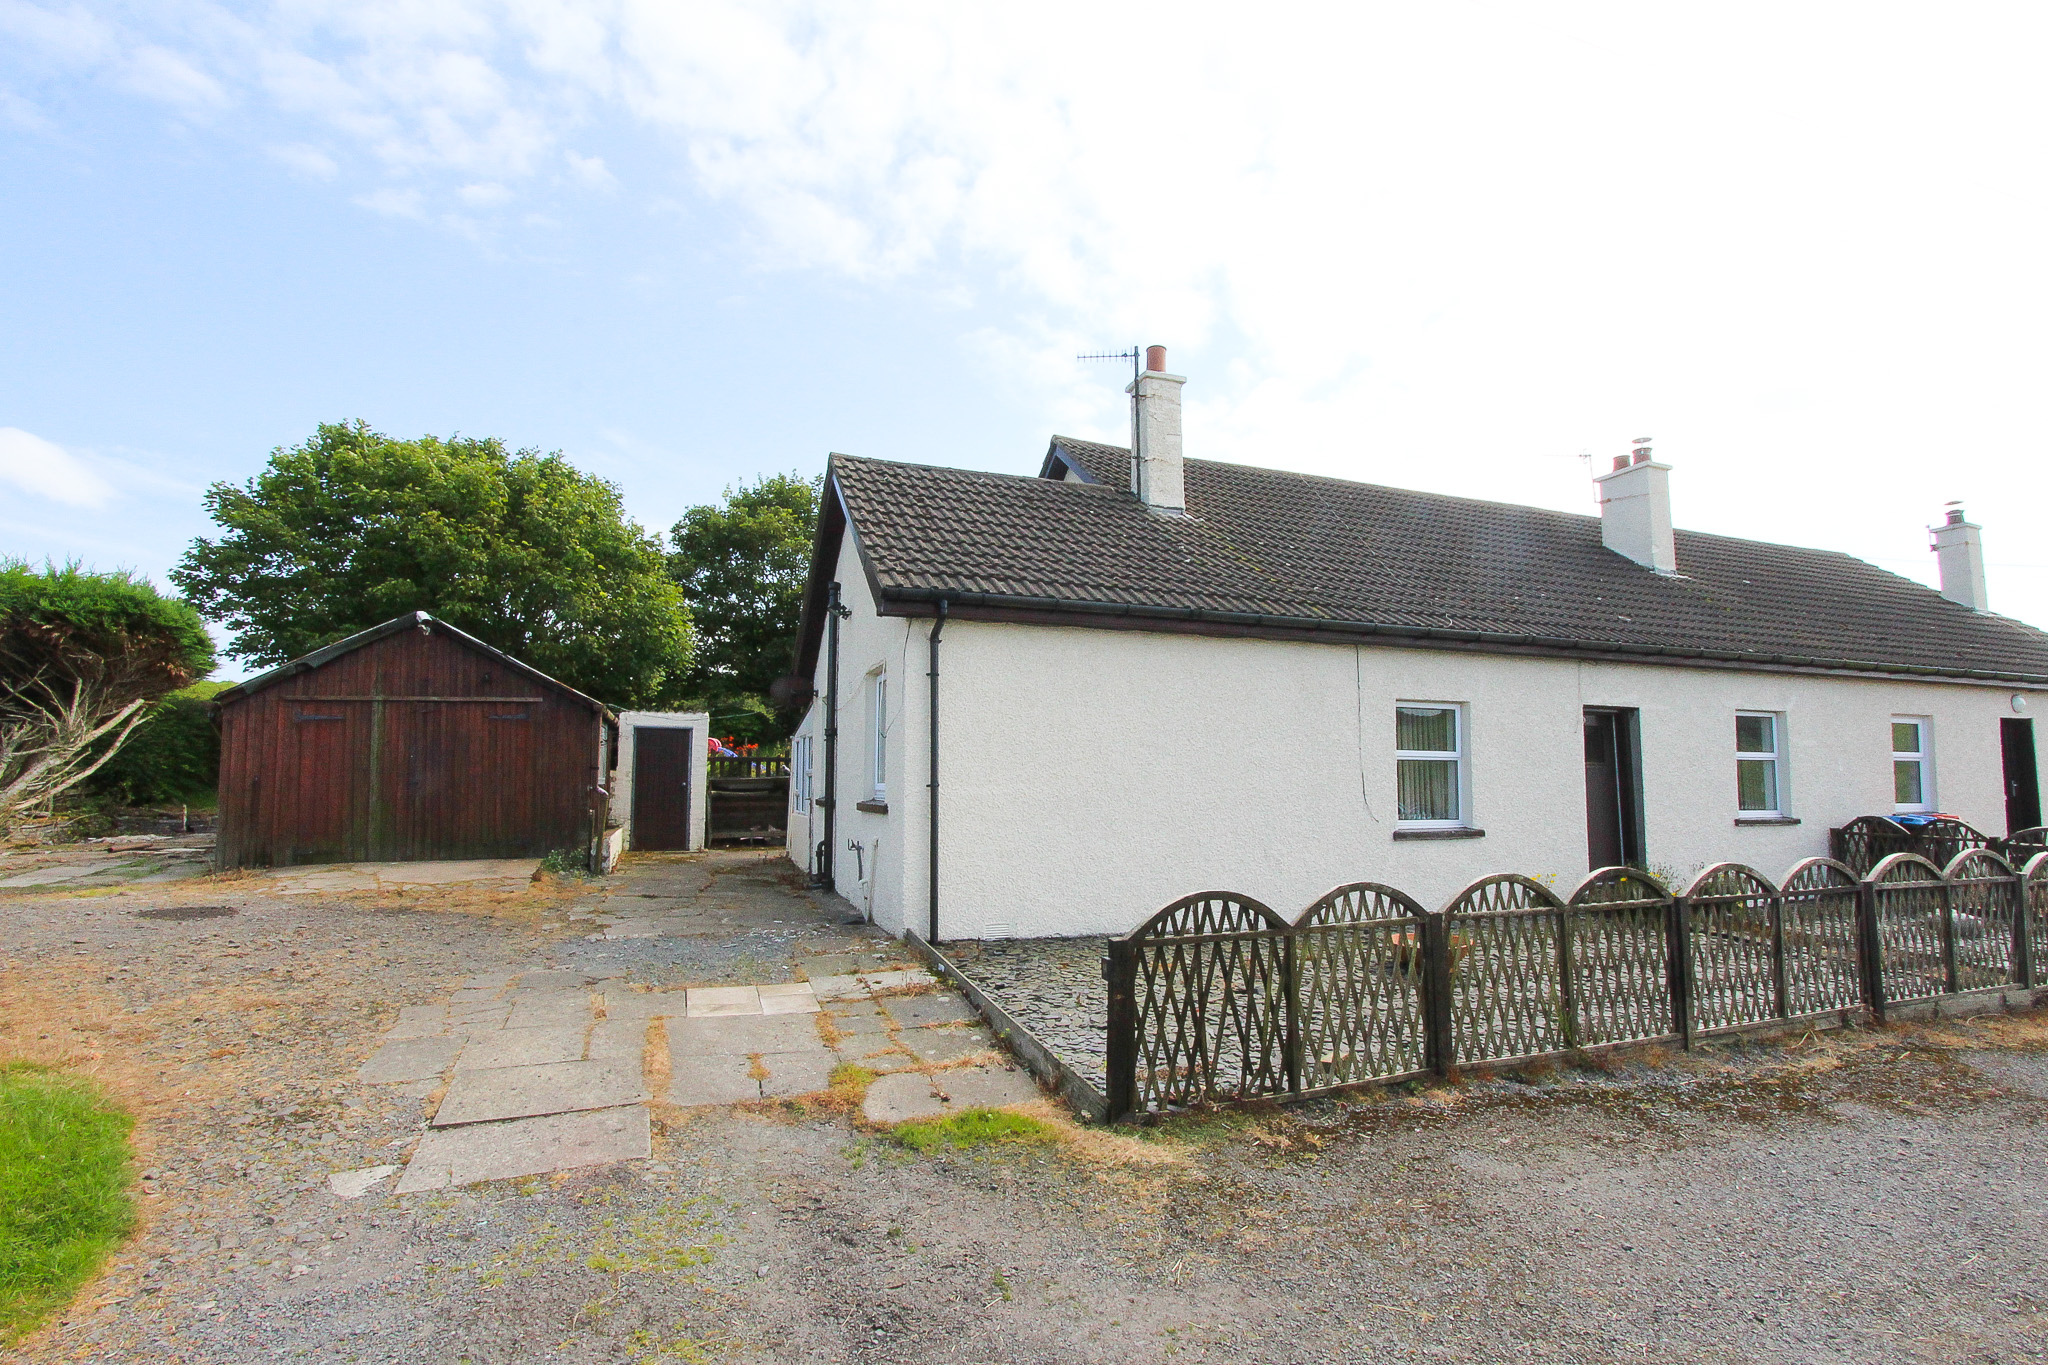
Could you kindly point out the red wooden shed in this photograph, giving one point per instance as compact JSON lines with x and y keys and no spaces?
{"x":407,"y":741}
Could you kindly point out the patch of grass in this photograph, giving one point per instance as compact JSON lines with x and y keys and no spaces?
{"x":973,"y":1128}
{"x":64,"y":1201}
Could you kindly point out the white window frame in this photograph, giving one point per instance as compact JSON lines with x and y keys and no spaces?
{"x":878,"y":724}
{"x":1458,"y":757}
{"x":1775,"y":756}
{"x":800,"y":774}
{"x":1924,"y":757}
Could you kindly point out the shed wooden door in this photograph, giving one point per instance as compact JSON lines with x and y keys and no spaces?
{"x":661,"y":787}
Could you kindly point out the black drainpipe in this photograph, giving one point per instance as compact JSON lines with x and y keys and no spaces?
{"x":937,"y":626}
{"x":833,"y":613}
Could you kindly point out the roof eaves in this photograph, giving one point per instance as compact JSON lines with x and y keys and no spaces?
{"x":1331,"y":625}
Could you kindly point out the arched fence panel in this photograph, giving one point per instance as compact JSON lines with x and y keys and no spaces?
{"x":1736,"y":948}
{"x":1204,"y":1004}
{"x":1216,"y":997}
{"x":1821,"y":910}
{"x":2034,"y":878}
{"x":1910,"y":908}
{"x":1986,"y":920}
{"x":1621,"y":960}
{"x":1504,"y":939}
{"x":1361,"y":955}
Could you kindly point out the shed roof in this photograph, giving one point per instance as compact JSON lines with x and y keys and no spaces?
{"x":1266,"y":551}
{"x":397,"y":624}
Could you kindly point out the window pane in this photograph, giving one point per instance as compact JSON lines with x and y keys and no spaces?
{"x":1428,"y":789}
{"x":1905,"y":738}
{"x":1428,"y":729}
{"x":1756,"y":735}
{"x":1756,"y":783}
{"x":1906,"y":782}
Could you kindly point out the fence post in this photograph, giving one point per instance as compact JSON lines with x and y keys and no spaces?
{"x":1120,"y":969}
{"x":1678,"y":933}
{"x":1870,"y":943}
{"x":1948,"y":938}
{"x":1290,"y":1005}
{"x":1567,"y":988}
{"x":1437,"y":1043}
{"x":2022,"y":930}
{"x":1781,"y":988}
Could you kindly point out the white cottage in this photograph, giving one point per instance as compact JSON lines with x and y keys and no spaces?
{"x":1049,"y":706}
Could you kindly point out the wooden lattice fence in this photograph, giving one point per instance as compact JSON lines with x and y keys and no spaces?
{"x":1218,"y":998}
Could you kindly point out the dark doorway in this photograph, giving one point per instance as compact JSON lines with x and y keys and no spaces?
{"x":1614,"y":812}
{"x":2022,"y":778}
{"x":661,"y":787}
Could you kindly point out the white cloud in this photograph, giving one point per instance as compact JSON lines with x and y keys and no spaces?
{"x":590,"y":170}
{"x":1428,"y":244}
{"x":307,"y":160}
{"x":164,"y":75}
{"x":47,"y":470}
{"x":394,"y":203}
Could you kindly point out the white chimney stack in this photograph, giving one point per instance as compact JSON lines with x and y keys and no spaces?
{"x":1156,"y":472}
{"x":1635,"y":510}
{"x":1960,"y":551}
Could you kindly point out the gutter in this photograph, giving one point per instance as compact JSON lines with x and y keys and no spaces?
{"x":1440,"y":634}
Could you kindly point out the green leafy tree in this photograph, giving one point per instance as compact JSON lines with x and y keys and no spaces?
{"x":82,"y":656}
{"x":174,"y":754}
{"x":522,"y":550}
{"x":743,"y":563}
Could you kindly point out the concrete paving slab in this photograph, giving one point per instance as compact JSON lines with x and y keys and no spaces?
{"x":806,"y":1003}
{"x":65,"y":872}
{"x":410,"y":1059}
{"x":974,"y":1087}
{"x":711,"y":1080}
{"x":490,"y":981}
{"x":356,"y":1184}
{"x":917,"y":1011}
{"x":445,"y":873}
{"x":549,"y":979}
{"x":522,"y":1047}
{"x":736,"y":1036}
{"x":551,"y":1011}
{"x":861,"y":1024}
{"x":838,"y":988}
{"x":618,"y":1040}
{"x":527,"y":1146}
{"x":643,"y":1005}
{"x":419,"y":1021}
{"x":942,"y":1045}
{"x":475,"y":995}
{"x":797,"y":1073}
{"x":890,"y":981}
{"x":710,"y":1001}
{"x":521,"y":1091}
{"x":906,"y":1095}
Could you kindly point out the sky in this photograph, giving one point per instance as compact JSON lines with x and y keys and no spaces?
{"x":1456,"y":246}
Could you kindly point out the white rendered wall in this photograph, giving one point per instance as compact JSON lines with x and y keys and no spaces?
{"x":1090,"y":777}
{"x":622,"y":777}
{"x":877,"y":878}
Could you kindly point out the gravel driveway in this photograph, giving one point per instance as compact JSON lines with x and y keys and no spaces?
{"x":1868,"y":1197}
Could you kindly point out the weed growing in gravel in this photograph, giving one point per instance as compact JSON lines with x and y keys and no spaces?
{"x":974,"y":1128}
{"x":64,"y":1202}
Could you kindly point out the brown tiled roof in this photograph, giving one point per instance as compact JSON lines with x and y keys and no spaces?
{"x":1268,"y":550}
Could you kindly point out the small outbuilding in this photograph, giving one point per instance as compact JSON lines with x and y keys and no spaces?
{"x":659,"y":788}
{"x":411,"y":740}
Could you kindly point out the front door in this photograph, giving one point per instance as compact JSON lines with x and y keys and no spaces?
{"x":2022,"y":778}
{"x":1614,"y":820}
{"x":661,"y":787}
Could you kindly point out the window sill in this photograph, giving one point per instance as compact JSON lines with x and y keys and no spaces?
{"x":1466,"y":832}
{"x":1766,"y":819}
{"x":872,"y":807}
